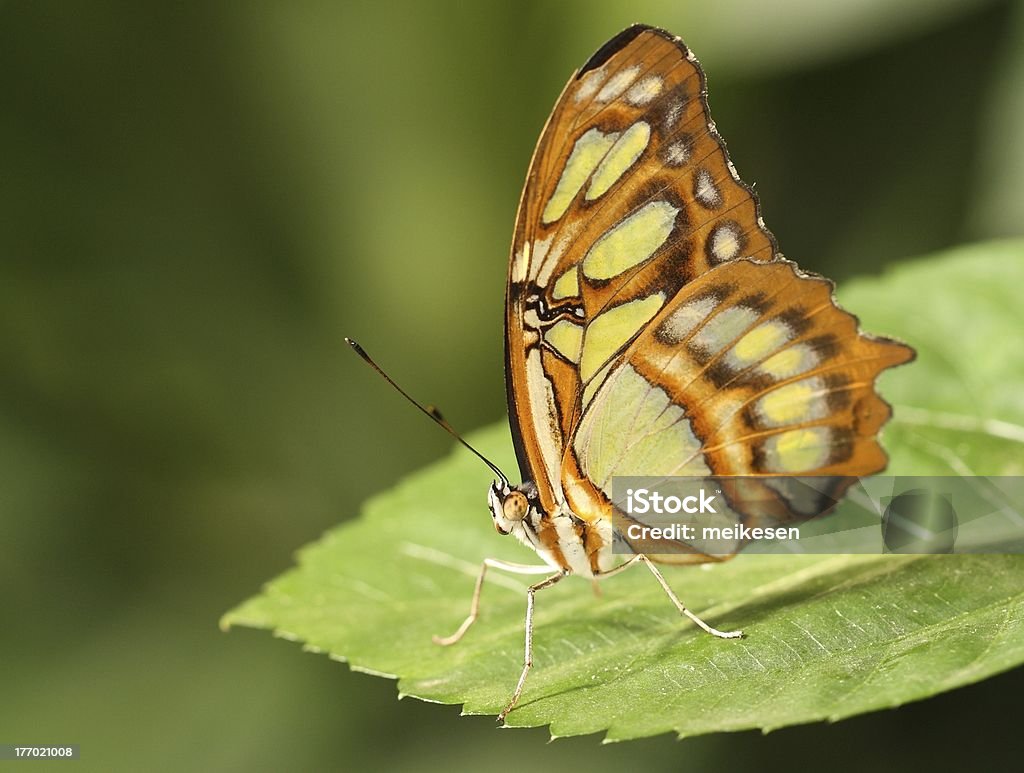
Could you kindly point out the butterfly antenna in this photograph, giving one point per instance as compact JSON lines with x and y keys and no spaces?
{"x":429,"y":410}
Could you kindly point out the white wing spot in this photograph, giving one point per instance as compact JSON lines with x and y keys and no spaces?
{"x":644,"y":90}
{"x":588,"y":86}
{"x":569,"y":232}
{"x":618,"y":83}
{"x":521,"y":264}
{"x":677,"y":154}
{"x":678,"y":325}
{"x":672,"y":115}
{"x":540,"y":252}
{"x":705,"y":191}
{"x":547,"y":431}
{"x":724,"y":242}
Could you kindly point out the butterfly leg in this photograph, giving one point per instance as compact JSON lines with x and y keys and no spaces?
{"x":619,"y":568}
{"x":679,"y":605}
{"x":528,"y":659}
{"x":474,"y":606}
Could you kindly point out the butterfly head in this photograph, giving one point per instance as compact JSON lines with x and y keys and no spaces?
{"x":509,"y":505}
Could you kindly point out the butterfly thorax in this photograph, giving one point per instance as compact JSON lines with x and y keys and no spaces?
{"x":562,"y":539}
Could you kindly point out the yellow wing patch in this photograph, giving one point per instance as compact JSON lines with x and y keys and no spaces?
{"x":612,"y":329}
{"x":631,"y":242}
{"x":622,"y":156}
{"x":587,"y":153}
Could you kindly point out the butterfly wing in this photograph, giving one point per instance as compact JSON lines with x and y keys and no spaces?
{"x":630,"y":186}
{"x":750,"y":370}
{"x":633,"y":220}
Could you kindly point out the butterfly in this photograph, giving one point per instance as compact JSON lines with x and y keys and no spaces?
{"x":653,"y":328}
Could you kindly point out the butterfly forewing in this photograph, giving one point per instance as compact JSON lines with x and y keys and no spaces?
{"x":630,"y":187}
{"x":652,"y":327}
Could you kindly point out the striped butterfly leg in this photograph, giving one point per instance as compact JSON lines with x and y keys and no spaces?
{"x":474,"y":606}
{"x":640,"y":558}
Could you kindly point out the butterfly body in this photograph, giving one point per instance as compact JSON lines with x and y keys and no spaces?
{"x":563,"y":540}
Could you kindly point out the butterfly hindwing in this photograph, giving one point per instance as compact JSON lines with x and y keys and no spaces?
{"x":750,"y":370}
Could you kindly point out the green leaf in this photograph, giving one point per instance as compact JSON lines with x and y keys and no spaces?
{"x":827,"y":636}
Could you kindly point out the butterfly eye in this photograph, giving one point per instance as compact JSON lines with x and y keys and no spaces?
{"x":515,"y":506}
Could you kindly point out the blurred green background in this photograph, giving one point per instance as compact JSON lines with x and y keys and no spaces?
{"x":197,"y":201}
